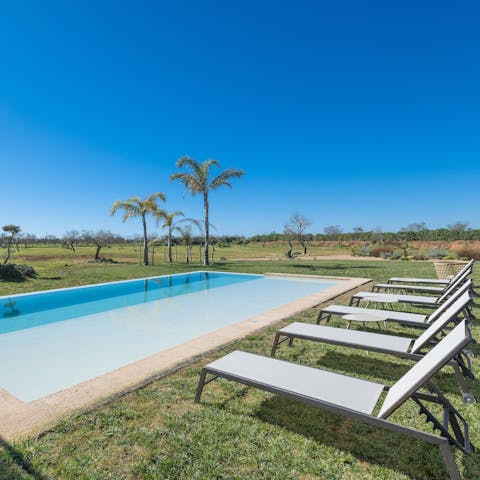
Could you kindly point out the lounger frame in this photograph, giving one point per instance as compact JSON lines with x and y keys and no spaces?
{"x":459,"y":436}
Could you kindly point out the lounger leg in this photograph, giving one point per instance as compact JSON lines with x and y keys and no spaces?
{"x":201,"y":383}
{"x":322,"y":316}
{"x":290,"y":342}
{"x":467,"y":396}
{"x":449,"y":459}
{"x":275,"y":344}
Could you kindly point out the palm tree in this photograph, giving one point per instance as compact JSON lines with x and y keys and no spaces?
{"x":172,"y":226}
{"x":198,"y":181}
{"x":187,"y":238}
{"x":136,"y":207}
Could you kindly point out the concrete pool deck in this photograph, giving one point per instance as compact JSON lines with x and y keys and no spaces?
{"x":20,"y":419}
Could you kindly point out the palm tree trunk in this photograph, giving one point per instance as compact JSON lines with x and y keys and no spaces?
{"x":169,"y":244}
{"x":145,"y":241}
{"x":207,"y":225}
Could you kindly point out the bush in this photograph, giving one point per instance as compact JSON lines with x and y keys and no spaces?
{"x":364,"y":251}
{"x":389,"y":255}
{"x":421,"y":255}
{"x":379,"y":251}
{"x":438,"y":253}
{"x":13,"y":272}
{"x":468,"y":252}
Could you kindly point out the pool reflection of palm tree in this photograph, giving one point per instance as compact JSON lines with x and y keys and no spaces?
{"x":14,"y":312}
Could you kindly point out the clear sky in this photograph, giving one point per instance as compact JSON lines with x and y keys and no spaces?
{"x":356,"y":113}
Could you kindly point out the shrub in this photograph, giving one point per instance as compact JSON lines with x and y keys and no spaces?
{"x":363,"y":251}
{"x":13,"y":272}
{"x":421,"y":255}
{"x":439,"y":253}
{"x":379,"y":251}
{"x":468,"y":252}
{"x":389,"y":255}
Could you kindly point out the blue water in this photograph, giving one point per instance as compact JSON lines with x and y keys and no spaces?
{"x":55,"y":340}
{"x":27,"y":311}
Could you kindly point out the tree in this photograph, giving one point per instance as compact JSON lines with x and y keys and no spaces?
{"x":459,"y":226}
{"x":100,"y":239}
{"x":358,"y":230}
{"x":415,"y":227}
{"x":295,"y":230}
{"x":171,"y":226}
{"x":197,"y":181}
{"x":136,"y":207}
{"x":333,"y":230}
{"x":70,"y":239}
{"x":187,"y":239}
{"x":13,"y":230}
{"x":27,"y":238}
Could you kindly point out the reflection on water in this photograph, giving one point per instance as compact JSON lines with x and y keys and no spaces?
{"x":47,"y":307}
{"x":10,"y":311}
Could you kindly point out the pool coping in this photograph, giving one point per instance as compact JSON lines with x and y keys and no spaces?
{"x":20,"y":419}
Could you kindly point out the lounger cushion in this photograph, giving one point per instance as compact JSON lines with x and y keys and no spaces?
{"x":348,"y":338}
{"x":388,"y":314}
{"x":419,"y":288}
{"x":309,"y":384}
{"x":419,"y":280}
{"x":425,"y":368}
{"x":401,"y":298}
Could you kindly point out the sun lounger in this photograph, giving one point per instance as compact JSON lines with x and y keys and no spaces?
{"x":356,"y":398}
{"x":410,"y":348}
{"x":421,"y":300}
{"x":392,"y":287}
{"x":410,"y":319}
{"x":432,"y":281}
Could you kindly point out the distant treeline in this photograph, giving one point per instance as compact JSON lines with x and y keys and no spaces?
{"x":440,"y":234}
{"x":377,"y":236}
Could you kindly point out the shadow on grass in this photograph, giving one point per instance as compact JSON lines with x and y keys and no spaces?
{"x":18,"y":467}
{"x":395,"y":451}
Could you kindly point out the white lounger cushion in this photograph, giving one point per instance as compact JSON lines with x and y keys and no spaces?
{"x":388,"y":314}
{"x":442,"y":321}
{"x":410,"y":287}
{"x":344,"y":337}
{"x":401,"y":298}
{"x":466,"y":268}
{"x":419,"y":280}
{"x":305,"y":382}
{"x":425,"y":368}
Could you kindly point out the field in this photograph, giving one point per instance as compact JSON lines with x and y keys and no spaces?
{"x":157,"y":432}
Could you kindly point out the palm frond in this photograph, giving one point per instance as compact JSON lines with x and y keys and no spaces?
{"x":193,"y":221}
{"x":153,"y":197}
{"x":223,"y":178}
{"x":190,"y":163}
{"x":193,"y":183}
{"x":207,"y":164}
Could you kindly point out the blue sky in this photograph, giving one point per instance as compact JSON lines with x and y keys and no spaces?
{"x":352,"y":113}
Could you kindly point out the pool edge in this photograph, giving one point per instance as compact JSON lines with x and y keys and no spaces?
{"x":22,"y":420}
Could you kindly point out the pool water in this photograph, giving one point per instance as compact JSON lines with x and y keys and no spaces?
{"x":50,"y":341}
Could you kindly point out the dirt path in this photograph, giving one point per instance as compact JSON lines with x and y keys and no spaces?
{"x":307,"y":257}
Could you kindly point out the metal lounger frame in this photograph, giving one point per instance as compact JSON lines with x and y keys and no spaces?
{"x":419,"y":300}
{"x":468,"y":266}
{"x":461,"y":363}
{"x":392,"y":287}
{"x":467,"y":311}
{"x":451,"y":417}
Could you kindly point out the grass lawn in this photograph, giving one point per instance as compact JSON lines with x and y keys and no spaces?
{"x":157,"y":432}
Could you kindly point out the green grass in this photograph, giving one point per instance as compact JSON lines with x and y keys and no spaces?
{"x":157,"y":432}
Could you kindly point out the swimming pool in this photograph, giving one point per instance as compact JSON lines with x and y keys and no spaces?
{"x":51,"y":341}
